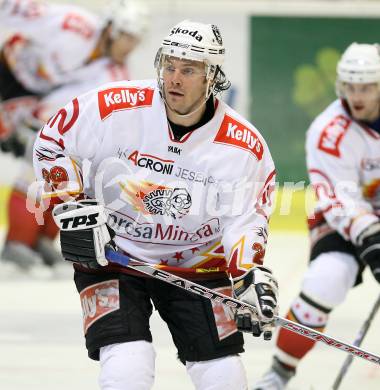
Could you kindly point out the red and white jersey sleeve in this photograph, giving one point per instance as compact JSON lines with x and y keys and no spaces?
{"x":343,"y":160}
{"x":49,"y":41}
{"x":69,"y":137}
{"x":250,"y":196}
{"x":199,"y":204}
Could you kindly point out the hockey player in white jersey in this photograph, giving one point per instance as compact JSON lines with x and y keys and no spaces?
{"x":32,"y":63}
{"x":27,"y":243}
{"x":343,"y":160}
{"x":178,"y":179}
{"x":50,"y":41}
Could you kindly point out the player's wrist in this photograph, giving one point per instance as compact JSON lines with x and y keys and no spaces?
{"x":359,"y":225}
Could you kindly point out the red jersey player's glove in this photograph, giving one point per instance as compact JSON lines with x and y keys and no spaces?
{"x":259,"y":288}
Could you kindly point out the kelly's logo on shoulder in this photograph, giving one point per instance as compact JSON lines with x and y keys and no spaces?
{"x":118,"y":99}
{"x":235,"y":133}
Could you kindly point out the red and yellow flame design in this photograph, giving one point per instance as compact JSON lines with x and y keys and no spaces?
{"x":213,"y":257}
{"x":136,"y":191}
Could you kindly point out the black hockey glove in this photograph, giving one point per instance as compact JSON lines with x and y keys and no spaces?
{"x":83,"y":232}
{"x":259,"y":288}
{"x":13,"y":145}
{"x":21,"y":141}
{"x":368,"y":248}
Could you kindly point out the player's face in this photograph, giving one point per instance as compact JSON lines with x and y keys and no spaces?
{"x":121,"y":46}
{"x":363,"y":100}
{"x":184,"y":84}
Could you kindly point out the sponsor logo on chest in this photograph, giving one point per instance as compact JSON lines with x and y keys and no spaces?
{"x":151,"y":162}
{"x":235,"y":133}
{"x":118,"y":99}
{"x":174,"y":149}
{"x":173,"y":202}
{"x":131,"y":229}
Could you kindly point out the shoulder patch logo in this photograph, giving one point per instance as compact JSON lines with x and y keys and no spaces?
{"x":333,"y":134}
{"x":235,"y":133}
{"x":118,"y":99}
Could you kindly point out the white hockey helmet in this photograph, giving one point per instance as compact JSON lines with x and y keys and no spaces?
{"x":360,"y":63}
{"x":130,"y":17}
{"x":197,"y":42}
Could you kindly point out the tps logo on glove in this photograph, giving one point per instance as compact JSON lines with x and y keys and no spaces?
{"x":79,"y":221}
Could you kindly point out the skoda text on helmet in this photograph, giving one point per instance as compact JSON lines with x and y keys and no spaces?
{"x":131,"y":17}
{"x":195,"y":42}
{"x":359,"y":64}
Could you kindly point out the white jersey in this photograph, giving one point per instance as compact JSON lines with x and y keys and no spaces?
{"x":201,"y":203}
{"x":343,"y":159}
{"x":51,"y":40}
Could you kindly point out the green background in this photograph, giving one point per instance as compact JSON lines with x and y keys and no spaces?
{"x":292,"y":78}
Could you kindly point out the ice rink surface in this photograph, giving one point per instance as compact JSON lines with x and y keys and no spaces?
{"x":41,"y":344}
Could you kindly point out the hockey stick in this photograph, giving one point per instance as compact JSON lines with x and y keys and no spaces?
{"x":357,"y":342}
{"x":217,"y":297}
